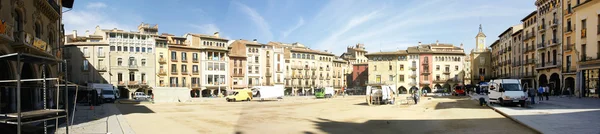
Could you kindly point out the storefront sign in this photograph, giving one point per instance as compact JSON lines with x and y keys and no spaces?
{"x":5,"y":29}
{"x":40,"y":44}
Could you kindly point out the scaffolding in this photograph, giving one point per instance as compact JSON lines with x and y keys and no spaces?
{"x":45,"y":114}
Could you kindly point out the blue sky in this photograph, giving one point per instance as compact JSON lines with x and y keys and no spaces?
{"x":320,"y":24}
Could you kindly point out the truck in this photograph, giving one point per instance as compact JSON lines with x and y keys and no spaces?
{"x":507,"y":92}
{"x":268,"y":92}
{"x":380,"y":94}
{"x":240,"y":95}
{"x":324,"y":92}
{"x":106,"y":92}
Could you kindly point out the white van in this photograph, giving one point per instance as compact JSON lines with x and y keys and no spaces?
{"x":268,"y":92}
{"x":507,"y":91}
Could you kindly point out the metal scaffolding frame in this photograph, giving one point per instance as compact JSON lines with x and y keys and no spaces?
{"x":20,"y":118}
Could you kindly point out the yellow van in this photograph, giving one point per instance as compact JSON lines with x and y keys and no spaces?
{"x":240,"y":95}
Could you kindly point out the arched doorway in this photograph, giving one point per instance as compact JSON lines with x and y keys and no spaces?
{"x":412,"y":89}
{"x":289,"y":91}
{"x":569,"y":84}
{"x":402,"y":90}
{"x":427,"y":89}
{"x":446,"y":87}
{"x":7,"y":94}
{"x":556,"y":87}
{"x":205,"y":93}
{"x":195,"y":93}
{"x":542,"y":80}
{"x":28,"y":93}
{"x":437,"y":87}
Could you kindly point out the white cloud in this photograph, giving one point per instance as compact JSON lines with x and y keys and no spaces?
{"x":95,"y":5}
{"x":328,"y":42}
{"x":206,"y":28}
{"x":258,"y":20}
{"x":91,"y":16}
{"x":292,"y":29}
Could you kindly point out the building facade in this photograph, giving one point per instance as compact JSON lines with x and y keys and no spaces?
{"x":528,"y":76}
{"x":549,"y":38}
{"x":131,"y":58}
{"x":238,"y":65}
{"x":586,"y":34}
{"x":481,"y":60}
{"x":87,"y":57}
{"x":30,"y":27}
{"x":214,"y":62}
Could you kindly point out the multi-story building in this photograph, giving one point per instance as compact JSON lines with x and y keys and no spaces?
{"x":306,"y":69}
{"x":481,"y":60}
{"x":496,"y":63}
{"x":586,"y":27}
{"x":506,"y":51}
{"x":214,"y":61}
{"x":87,"y":57}
{"x":549,"y":36}
{"x":184,"y":64}
{"x":131,"y":58}
{"x":255,"y":64}
{"x":237,"y":64}
{"x":391,"y":68}
{"x":528,"y":75}
{"x":30,"y":27}
{"x":274,"y":70}
{"x":516,"y":53}
{"x":162,"y":63}
{"x":337,"y":76}
{"x":414,"y":67}
{"x":355,"y":54}
{"x":466,"y":72}
{"x":447,"y":61}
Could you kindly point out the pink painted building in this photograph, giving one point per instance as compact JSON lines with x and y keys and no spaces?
{"x":425,"y":60}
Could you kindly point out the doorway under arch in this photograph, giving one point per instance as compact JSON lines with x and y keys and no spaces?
{"x":556,"y":87}
{"x":542,"y":80}
{"x":570,"y":85}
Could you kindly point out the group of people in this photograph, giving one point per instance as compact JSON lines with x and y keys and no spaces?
{"x":540,"y":93}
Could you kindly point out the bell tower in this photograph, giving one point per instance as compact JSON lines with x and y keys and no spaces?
{"x":480,"y":39}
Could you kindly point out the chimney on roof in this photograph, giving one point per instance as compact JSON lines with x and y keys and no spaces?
{"x":419,"y":43}
{"x":216,"y":34}
{"x":254,"y":41}
{"x":437,"y":42}
{"x":87,"y":32}
{"x":74,"y":33}
{"x":461,"y":45}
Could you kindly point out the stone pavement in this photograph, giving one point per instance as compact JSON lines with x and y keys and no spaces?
{"x":558,"y":115}
{"x":101,"y":120}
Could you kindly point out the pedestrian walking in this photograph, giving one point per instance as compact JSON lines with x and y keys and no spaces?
{"x":532,"y":92}
{"x":546,"y":92}
{"x":569,"y":92}
{"x":540,"y":93}
{"x":416,"y":96}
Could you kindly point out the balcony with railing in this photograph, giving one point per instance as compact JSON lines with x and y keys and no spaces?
{"x":440,"y":80}
{"x":268,"y":73}
{"x":413,"y":67}
{"x":541,"y":45}
{"x":133,"y":83}
{"x":174,"y":72}
{"x":425,"y":62}
{"x":26,"y":40}
{"x":553,"y":42}
{"x":162,"y":72}
{"x":184,"y":72}
{"x":425,"y":82}
{"x":570,"y":69}
{"x":568,"y":11}
{"x":542,"y":28}
{"x":587,"y":60}
{"x":133,"y":67}
{"x":550,"y":64}
{"x":446,"y":71}
{"x":195,"y":72}
{"x":162,"y":60}
{"x":554,"y":23}
{"x":425,"y":71}
{"x":569,"y":47}
{"x":121,"y":83}
{"x":413,"y":75}
{"x":583,"y":33}
{"x":195,"y":60}
{"x":101,"y":68}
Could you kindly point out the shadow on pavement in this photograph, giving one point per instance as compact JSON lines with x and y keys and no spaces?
{"x":133,"y":109}
{"x":459,"y":104}
{"x":500,"y":125}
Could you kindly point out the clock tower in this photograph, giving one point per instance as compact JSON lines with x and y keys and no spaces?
{"x":480,"y":38}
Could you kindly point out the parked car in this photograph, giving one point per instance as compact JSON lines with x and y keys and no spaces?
{"x":140,"y":96}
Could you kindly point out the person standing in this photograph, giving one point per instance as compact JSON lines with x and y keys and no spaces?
{"x":546,"y":91}
{"x":416,"y":96}
{"x":532,"y":92}
{"x":540,"y":92}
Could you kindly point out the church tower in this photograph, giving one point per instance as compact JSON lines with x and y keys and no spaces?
{"x":480,"y":38}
